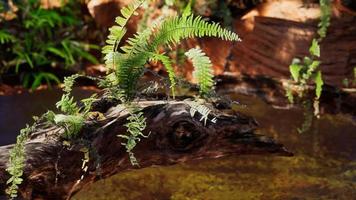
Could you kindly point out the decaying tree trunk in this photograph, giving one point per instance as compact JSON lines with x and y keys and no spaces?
{"x":52,"y":170}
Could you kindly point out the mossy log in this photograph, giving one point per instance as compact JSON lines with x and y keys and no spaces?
{"x":53,"y":170}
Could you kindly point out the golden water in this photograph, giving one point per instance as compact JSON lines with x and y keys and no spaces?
{"x":324,"y":166}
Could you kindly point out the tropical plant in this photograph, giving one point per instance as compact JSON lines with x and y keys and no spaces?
{"x":38,"y":40}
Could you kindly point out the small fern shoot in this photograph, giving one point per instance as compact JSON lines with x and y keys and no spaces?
{"x":135,"y":125}
{"x":203,"y":72}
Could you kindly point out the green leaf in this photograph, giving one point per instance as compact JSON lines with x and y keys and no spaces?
{"x":188,"y":9}
{"x":315,"y":48}
{"x":57,"y":52}
{"x":319,"y":84}
{"x":203,"y":71}
{"x":295,"y":70}
{"x":48,"y":77}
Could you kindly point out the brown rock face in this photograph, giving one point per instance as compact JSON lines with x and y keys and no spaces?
{"x":272,"y":43}
{"x":104,"y":11}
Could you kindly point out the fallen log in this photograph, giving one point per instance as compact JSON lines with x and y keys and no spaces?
{"x":53,"y":170}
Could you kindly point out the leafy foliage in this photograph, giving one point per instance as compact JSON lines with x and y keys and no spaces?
{"x":38,"y":78}
{"x":325,"y":8}
{"x":204,"y":111}
{"x":168,"y":64}
{"x":143,"y":46}
{"x":136,"y":124}
{"x":6,"y":37}
{"x":39,"y":39}
{"x":307,"y":70}
{"x":73,"y":117}
{"x":203,"y":72}
{"x":17,"y":162}
{"x":303,"y":71}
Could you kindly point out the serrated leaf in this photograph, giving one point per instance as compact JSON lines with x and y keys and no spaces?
{"x":315,"y":48}
{"x":295,"y":70}
{"x":318,"y":84}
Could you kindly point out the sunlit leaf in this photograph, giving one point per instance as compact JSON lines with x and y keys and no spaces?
{"x":295,"y":70}
{"x":315,"y":48}
{"x":318,"y":84}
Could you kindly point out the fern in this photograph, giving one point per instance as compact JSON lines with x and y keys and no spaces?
{"x":17,"y":162}
{"x":203,"y":72}
{"x":168,"y":65}
{"x":6,"y":37}
{"x":143,"y":46}
{"x":136,"y":124}
{"x":204,"y":111}
{"x":307,"y":70}
{"x":174,"y":29}
{"x":325,"y":8}
{"x":118,"y":31}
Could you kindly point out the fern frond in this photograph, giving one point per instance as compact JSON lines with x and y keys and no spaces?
{"x":128,"y":70}
{"x":129,"y":65}
{"x":6,"y":37}
{"x":135,"y":126}
{"x":67,"y":105}
{"x":174,"y":29}
{"x":138,"y":43}
{"x":203,"y":110}
{"x":168,"y":65}
{"x":17,"y":162}
{"x":71,"y":123}
{"x":325,"y":8}
{"x":203,"y":72}
{"x":118,"y":31}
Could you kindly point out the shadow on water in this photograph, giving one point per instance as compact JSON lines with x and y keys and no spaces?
{"x":324,"y":165}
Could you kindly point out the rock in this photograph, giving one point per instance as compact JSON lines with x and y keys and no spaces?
{"x":273,"y":35}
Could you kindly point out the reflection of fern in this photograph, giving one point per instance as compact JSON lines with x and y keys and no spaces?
{"x":144,"y":45}
{"x":202,"y":70}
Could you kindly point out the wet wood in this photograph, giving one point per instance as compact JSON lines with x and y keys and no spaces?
{"x":52,"y":170}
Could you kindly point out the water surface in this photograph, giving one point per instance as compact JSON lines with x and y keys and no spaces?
{"x":324,"y":166}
